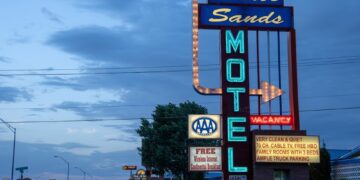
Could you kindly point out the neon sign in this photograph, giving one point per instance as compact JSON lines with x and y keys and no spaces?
{"x":235,"y":85}
{"x":215,"y":16}
{"x":271,"y":120}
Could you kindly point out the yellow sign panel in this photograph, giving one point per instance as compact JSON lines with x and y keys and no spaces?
{"x":287,"y":149}
{"x":204,"y":127}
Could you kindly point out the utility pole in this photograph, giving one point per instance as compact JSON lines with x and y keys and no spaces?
{"x":13,"y":155}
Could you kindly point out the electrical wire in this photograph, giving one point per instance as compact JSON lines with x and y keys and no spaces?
{"x":139,"y":118}
{"x":303,"y":63}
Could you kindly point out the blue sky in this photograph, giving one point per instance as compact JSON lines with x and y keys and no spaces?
{"x":76,"y":36}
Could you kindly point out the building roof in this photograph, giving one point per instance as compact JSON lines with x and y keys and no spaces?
{"x":354,"y":154}
{"x":345,"y":157}
{"x":337,"y":153}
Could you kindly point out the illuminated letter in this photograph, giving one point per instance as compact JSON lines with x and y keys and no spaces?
{"x":231,"y":166}
{"x":235,"y":43}
{"x":232,"y":129}
{"x":216,"y":13}
{"x":236,"y":18}
{"x":229,"y":76}
{"x":278,"y":20}
{"x":236,"y":92}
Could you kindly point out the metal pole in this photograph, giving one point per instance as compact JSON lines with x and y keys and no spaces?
{"x":68,"y":165}
{"x":81,"y":171}
{"x":13,"y":157}
{"x":12,"y":129}
{"x":68,"y":170}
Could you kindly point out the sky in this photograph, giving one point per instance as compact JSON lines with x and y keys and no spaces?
{"x":75,"y":60}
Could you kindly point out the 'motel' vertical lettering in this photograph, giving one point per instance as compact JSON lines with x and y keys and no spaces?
{"x":234,"y":46}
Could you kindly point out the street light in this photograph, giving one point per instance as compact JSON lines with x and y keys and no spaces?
{"x":90,"y":176}
{"x":68,"y":165}
{"x":13,"y":156}
{"x":81,"y":171}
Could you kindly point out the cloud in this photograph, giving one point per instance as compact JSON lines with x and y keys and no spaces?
{"x":51,"y":16}
{"x":11,"y":94}
{"x":83,"y":130}
{"x":4,"y":59}
{"x":2,"y":130}
{"x":128,"y":128}
{"x":123,"y":139}
{"x":94,"y":43}
{"x":154,"y":29}
{"x":70,"y":146}
{"x":61,"y":82}
{"x":18,"y":39}
{"x":40,"y":158}
{"x":94,"y":110}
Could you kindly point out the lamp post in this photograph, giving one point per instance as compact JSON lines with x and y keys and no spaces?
{"x":67,"y":162}
{"x":90,"y":176}
{"x":13,"y":155}
{"x":82,"y":171}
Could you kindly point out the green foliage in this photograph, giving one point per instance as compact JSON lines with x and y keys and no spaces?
{"x":165,"y":139}
{"x":321,"y":171}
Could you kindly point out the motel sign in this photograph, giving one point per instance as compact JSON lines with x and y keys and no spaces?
{"x":234,"y":19}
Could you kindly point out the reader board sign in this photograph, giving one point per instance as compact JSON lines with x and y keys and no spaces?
{"x":204,"y":127}
{"x":249,"y":2}
{"x":287,"y":149}
{"x":222,"y":16}
{"x":205,"y":159}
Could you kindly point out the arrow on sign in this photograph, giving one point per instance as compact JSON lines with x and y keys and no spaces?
{"x":267,"y":91}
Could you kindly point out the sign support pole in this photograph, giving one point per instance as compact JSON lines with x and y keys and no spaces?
{"x":294,"y":95}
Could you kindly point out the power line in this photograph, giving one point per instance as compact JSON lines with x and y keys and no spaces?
{"x":131,"y":119}
{"x":159,"y":71}
{"x":329,"y":61}
{"x":60,"y":107}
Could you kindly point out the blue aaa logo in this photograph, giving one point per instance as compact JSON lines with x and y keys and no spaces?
{"x":204,"y":126}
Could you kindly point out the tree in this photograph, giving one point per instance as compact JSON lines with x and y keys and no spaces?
{"x":321,"y":171}
{"x":165,"y":139}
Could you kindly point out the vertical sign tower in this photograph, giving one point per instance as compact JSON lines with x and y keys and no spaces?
{"x":235,"y":19}
{"x":236,"y":146}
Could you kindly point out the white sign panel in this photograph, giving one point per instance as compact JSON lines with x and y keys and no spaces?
{"x":205,"y":159}
{"x":204,"y":127}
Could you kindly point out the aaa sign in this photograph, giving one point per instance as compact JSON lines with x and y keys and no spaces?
{"x":287,"y":149}
{"x":204,"y":127}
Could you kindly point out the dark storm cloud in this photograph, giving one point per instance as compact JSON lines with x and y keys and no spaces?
{"x":51,"y":15}
{"x":93,"y":43}
{"x":160,"y":30}
{"x":11,"y":94}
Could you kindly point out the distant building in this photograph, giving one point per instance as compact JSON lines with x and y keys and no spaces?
{"x":345,"y":164}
